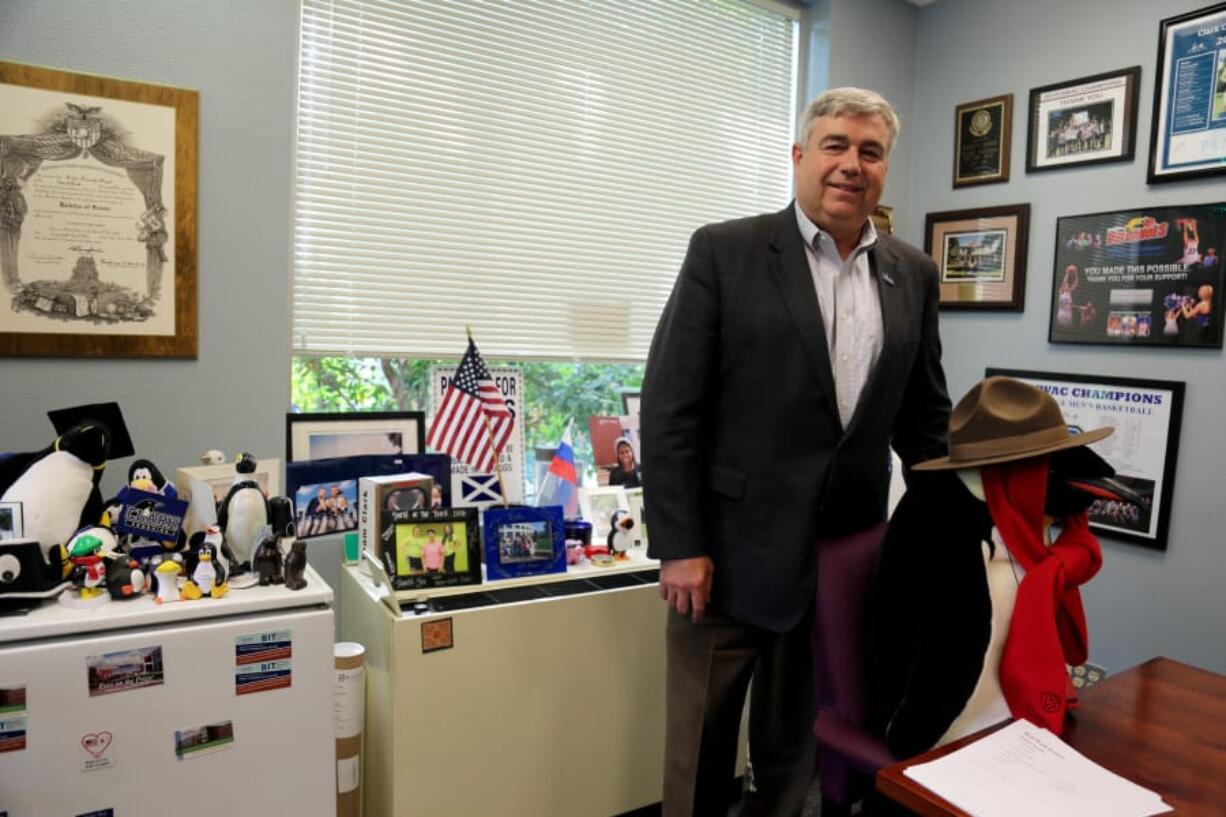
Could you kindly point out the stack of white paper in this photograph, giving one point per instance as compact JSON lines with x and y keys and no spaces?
{"x":1023,"y":770}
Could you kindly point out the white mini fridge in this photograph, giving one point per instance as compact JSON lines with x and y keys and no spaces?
{"x":187,"y":709}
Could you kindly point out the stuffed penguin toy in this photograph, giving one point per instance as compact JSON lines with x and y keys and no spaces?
{"x":57,"y":488}
{"x":242,"y":513}
{"x":969,"y":588}
{"x":144,"y":475}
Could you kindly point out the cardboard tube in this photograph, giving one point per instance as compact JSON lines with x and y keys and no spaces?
{"x":349,"y":710}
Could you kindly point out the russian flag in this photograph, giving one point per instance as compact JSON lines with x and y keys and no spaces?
{"x":561,"y":483}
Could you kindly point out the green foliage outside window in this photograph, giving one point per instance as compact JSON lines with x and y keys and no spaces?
{"x":553,"y":393}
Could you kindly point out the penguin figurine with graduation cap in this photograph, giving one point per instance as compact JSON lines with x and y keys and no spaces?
{"x":242,"y":514}
{"x":58,"y":486}
{"x":975,"y":611}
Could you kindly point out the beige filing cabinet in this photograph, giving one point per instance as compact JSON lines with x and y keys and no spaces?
{"x":549,"y":705}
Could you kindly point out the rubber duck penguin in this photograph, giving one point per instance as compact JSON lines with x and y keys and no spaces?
{"x":206,"y":577}
{"x":166,"y":570}
{"x":970,"y":586}
{"x":57,"y":488}
{"x":242,"y":513}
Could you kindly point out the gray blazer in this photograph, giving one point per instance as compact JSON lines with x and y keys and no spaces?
{"x":745,"y":459}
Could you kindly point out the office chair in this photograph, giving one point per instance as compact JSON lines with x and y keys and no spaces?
{"x":848,"y":754}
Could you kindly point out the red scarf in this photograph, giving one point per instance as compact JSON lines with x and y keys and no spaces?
{"x":1048,"y":629}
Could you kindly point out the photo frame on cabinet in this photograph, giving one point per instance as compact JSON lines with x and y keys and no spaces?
{"x":983,"y":132}
{"x":524,"y":541}
{"x":1149,"y":276}
{"x":219,"y":478}
{"x":1146,"y":415}
{"x":432,"y":548}
{"x":597,"y":504}
{"x":98,"y":189}
{"x":12,"y":521}
{"x":1188,"y":130}
{"x":980,"y":256}
{"x":325,"y":435}
{"x":1087,"y":121}
{"x":634,"y":500}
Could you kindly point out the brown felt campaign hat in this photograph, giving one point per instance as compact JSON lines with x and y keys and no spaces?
{"x":1001,"y":419}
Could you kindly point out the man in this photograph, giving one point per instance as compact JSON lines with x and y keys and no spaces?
{"x":796,"y":346}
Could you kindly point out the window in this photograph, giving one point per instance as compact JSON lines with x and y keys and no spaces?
{"x":532,"y":168}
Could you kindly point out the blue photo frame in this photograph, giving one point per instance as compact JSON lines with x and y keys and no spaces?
{"x":523,"y":541}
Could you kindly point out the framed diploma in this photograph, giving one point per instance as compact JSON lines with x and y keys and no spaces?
{"x":1188,"y":139}
{"x":1146,"y":415}
{"x":1083,"y":122}
{"x":983,"y":132}
{"x":97,"y":216}
{"x":980,"y":255}
{"x":1151,"y":276}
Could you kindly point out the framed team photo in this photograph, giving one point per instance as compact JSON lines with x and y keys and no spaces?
{"x":433,"y":548}
{"x":1087,"y":121}
{"x":524,"y":541}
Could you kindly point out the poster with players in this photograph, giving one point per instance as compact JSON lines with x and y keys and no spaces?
{"x":1143,"y":449}
{"x":1145,"y":277}
{"x":469,"y":487}
{"x":1188,"y":135}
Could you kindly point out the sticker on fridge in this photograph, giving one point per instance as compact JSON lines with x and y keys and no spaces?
{"x":203,"y":740}
{"x":120,"y":671}
{"x":263,"y":662}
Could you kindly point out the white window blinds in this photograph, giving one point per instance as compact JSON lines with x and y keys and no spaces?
{"x":533,"y":168}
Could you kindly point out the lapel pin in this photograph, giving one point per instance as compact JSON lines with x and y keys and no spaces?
{"x":885,"y":277}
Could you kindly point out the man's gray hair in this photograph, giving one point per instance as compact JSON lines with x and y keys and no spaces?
{"x":849,"y":102}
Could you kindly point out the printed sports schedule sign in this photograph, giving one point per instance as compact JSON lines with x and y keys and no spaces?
{"x":1190,"y":128}
{"x":1146,"y":277}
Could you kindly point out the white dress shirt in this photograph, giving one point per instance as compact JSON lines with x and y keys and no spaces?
{"x":851,"y":309}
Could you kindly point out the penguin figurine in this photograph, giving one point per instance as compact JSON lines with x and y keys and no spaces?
{"x":57,"y":488}
{"x":166,"y":569}
{"x":620,"y":539}
{"x":89,"y":551}
{"x":206,"y":578}
{"x":942,"y":609}
{"x":267,"y":562}
{"x":222,"y":557}
{"x":124,"y":577}
{"x":242,"y":513}
{"x":295,"y":566}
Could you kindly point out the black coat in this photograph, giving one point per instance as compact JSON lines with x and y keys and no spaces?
{"x":745,"y":458}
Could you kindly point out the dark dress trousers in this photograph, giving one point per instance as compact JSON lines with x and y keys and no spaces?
{"x":745,"y":459}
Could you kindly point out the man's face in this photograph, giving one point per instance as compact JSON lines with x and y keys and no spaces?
{"x":840,"y":173}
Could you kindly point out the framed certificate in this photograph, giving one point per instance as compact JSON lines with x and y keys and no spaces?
{"x":1146,"y":415}
{"x":983,"y":131}
{"x":1086,"y":121}
{"x":1189,"y":124}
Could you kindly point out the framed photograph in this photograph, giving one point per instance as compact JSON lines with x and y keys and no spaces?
{"x":630,"y":404}
{"x":983,"y":133}
{"x":1087,"y":121}
{"x":97,"y":216}
{"x":325,"y":435}
{"x":980,"y":255}
{"x":1146,"y":415}
{"x":524,"y":541}
{"x":1144,"y":277}
{"x":597,"y":504}
{"x":433,"y":548}
{"x":12,"y":523}
{"x":1188,"y":134}
{"x":634,"y":500}
{"x":219,"y":478}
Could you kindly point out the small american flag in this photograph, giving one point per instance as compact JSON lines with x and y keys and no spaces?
{"x":459,"y":426}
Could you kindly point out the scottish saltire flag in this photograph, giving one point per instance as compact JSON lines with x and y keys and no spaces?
{"x":473,"y":421}
{"x":476,"y":488}
{"x":561,"y":483}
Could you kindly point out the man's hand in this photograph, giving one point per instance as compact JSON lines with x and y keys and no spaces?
{"x":686,"y":584}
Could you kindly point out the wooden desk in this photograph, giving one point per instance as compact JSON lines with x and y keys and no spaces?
{"x":1161,"y":725}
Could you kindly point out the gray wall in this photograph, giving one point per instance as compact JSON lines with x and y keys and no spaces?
{"x":1143,"y":603}
{"x":240,"y":57}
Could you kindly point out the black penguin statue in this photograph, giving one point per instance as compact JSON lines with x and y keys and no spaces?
{"x":242,"y":513}
{"x":267,"y":562}
{"x":295,"y":566}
